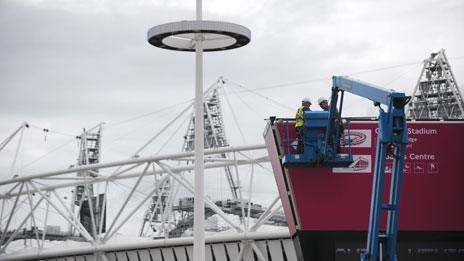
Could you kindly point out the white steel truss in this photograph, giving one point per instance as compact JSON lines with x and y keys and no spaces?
{"x":89,"y":206}
{"x":436,"y":95}
{"x":214,"y":137}
{"x":32,"y":204}
{"x":43,"y":191}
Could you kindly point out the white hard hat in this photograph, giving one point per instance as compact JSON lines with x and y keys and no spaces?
{"x":306,"y":99}
{"x":321,"y":99}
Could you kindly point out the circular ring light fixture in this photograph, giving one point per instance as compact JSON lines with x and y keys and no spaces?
{"x":216,"y":36}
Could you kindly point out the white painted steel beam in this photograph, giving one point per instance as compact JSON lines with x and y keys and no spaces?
{"x":18,"y":229}
{"x":264,"y":215}
{"x":109,"y":230}
{"x":11,"y":215}
{"x":130,"y":161}
{"x":111,"y":234}
{"x":134,"y":175}
{"x":9,"y":138}
{"x":70,"y":218}
{"x":184,"y":182}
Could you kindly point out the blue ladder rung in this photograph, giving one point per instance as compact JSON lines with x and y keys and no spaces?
{"x":388,"y":207}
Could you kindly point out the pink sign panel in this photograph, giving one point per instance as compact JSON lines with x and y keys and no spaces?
{"x":339,"y":199}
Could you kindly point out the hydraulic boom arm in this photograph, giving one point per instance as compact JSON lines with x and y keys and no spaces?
{"x":391,"y":141}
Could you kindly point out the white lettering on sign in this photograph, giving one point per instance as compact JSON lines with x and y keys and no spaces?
{"x":422,"y":131}
{"x":424,"y":156}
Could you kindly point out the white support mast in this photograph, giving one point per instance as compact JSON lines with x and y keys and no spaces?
{"x":199,"y":36}
{"x":199,"y":204}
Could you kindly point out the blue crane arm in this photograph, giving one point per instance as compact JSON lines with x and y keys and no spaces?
{"x":369,"y":91}
{"x":391,"y":141}
{"x":324,"y":151}
{"x":395,"y":102}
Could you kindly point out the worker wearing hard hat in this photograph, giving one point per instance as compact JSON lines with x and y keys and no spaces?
{"x":323,"y":103}
{"x":299,"y":123}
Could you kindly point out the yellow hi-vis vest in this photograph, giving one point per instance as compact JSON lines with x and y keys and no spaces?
{"x":299,"y":118}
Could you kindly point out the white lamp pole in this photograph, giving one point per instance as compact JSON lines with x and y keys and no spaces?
{"x":206,"y":36}
{"x":199,"y":203}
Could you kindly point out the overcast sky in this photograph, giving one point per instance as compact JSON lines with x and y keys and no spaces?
{"x":71,"y":64}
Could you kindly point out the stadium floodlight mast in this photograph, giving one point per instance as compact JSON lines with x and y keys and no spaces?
{"x":199,"y":36}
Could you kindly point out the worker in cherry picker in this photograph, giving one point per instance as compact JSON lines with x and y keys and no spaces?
{"x":299,"y":123}
{"x":323,"y":103}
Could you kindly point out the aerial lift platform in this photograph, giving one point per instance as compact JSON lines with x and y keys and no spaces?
{"x":322,"y":149}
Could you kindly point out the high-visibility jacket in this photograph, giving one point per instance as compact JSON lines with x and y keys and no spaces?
{"x":299,"y":118}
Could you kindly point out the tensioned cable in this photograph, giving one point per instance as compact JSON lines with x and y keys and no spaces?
{"x":33,"y":126}
{"x":109,"y":125}
{"x":398,"y":66}
{"x":18,"y":206}
{"x":172,"y":135}
{"x":172,"y":121}
{"x":46,"y":154}
{"x":157,"y":111}
{"x":313,"y":80}
{"x":319,"y":79}
{"x":239,"y":85}
{"x":245,"y":90}
{"x":106,"y":127}
{"x":147,"y":114}
{"x":263,"y":167}
{"x":234,"y":116}
{"x":23,"y":166}
{"x":52,"y":150}
{"x":225,"y":94}
{"x":132,"y":131}
{"x":51,"y":131}
{"x":39,"y":207}
{"x":289,"y":84}
{"x":50,"y":210}
{"x":24,"y":207}
{"x":126,"y":188}
{"x":385,"y":68}
{"x":260,"y":95}
{"x":244,"y":103}
{"x":399,"y":77}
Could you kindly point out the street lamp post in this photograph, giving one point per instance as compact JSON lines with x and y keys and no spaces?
{"x":199,"y":36}
{"x":199,"y":203}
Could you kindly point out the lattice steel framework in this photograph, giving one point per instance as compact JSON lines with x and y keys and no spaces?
{"x":19,"y":222}
{"x":436,"y":95}
{"x":214,"y":137}
{"x":89,"y":153}
{"x":84,"y":198}
{"x":27,"y":200}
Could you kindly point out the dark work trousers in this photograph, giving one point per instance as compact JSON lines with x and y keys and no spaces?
{"x":341,"y":132}
{"x":300,"y":144}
